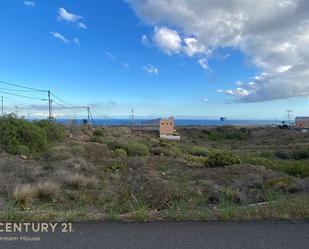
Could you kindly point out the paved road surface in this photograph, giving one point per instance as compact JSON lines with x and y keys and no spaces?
{"x":161,"y":235}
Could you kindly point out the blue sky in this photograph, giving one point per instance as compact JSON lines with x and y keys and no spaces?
{"x":95,"y":56}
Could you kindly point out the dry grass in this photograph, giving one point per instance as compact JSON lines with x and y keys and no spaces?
{"x":47,"y":189}
{"x":81,"y":181}
{"x":25,"y":193}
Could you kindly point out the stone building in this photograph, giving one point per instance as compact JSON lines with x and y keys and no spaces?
{"x":167,"y":126}
{"x":302,"y":122}
{"x":167,"y":129}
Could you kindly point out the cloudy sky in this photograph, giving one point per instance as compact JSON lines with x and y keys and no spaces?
{"x":242,"y":59}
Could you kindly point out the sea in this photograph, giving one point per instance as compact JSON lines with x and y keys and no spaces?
{"x":178,"y":122}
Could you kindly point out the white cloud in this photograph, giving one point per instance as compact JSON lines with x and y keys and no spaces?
{"x":206,"y":100}
{"x":193,"y":47}
{"x":45,"y":114}
{"x":145,"y":40}
{"x":273,"y":35}
{"x":151,"y":69}
{"x":282,"y":69}
{"x":81,"y":25}
{"x":109,"y":54}
{"x":126,"y":65}
{"x":64,"y":15}
{"x":204,"y":64}
{"x":168,"y":40}
{"x":60,"y":37}
{"x":171,"y":42}
{"x":76,"y":41}
{"x":29,"y":3}
{"x":239,"y":92}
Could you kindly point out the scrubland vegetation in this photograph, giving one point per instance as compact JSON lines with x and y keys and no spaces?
{"x":53,"y":172}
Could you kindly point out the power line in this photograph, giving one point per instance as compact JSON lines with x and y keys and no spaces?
{"x":60,"y":99}
{"x":23,"y":96}
{"x":25,"y":87}
{"x":62,"y":105}
{"x":18,"y":90}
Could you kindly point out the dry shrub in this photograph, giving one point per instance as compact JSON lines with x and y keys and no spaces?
{"x":286,"y":184}
{"x":78,"y":150}
{"x":47,"y":189}
{"x":79,"y":165}
{"x":25,"y":193}
{"x":58,"y":153}
{"x":98,"y":152}
{"x":81,"y":181}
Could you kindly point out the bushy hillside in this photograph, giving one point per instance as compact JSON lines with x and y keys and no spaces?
{"x":74,"y":173}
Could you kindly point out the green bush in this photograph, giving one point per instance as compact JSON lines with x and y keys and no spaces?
{"x":222,"y":158}
{"x":78,"y":150}
{"x":22,"y":150}
{"x":99,"y":132}
{"x":284,"y":154}
{"x":115,"y":165}
{"x":137,"y":149}
{"x":301,"y":154}
{"x":229,"y":133}
{"x":198,"y":151}
{"x":18,"y":132}
{"x":55,"y":131}
{"x":215,"y":136}
{"x":96,"y":139}
{"x":296,"y":154}
{"x":293,"y":168}
{"x":158,"y":151}
{"x":174,"y":151}
{"x":116,"y":144}
{"x":255,"y":160}
{"x":287,"y":184}
{"x":120,"y":153}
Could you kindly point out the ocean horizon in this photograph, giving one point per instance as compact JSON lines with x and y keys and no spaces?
{"x":178,"y":122}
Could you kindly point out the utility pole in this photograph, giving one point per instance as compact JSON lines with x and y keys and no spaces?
{"x":1,"y":106}
{"x":49,"y":105}
{"x":132,"y":121}
{"x":289,"y":115}
{"x":132,"y":117}
{"x":90,"y":118}
{"x":16,"y":111}
{"x":51,"y":108}
{"x":88,"y":112}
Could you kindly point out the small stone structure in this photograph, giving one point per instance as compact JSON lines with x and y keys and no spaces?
{"x":167,"y":129}
{"x":302,"y":122}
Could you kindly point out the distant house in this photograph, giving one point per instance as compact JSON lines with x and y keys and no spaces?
{"x":167,"y":129}
{"x":167,"y":126}
{"x":302,"y":122}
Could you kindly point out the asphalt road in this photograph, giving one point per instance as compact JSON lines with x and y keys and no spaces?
{"x":161,"y":235}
